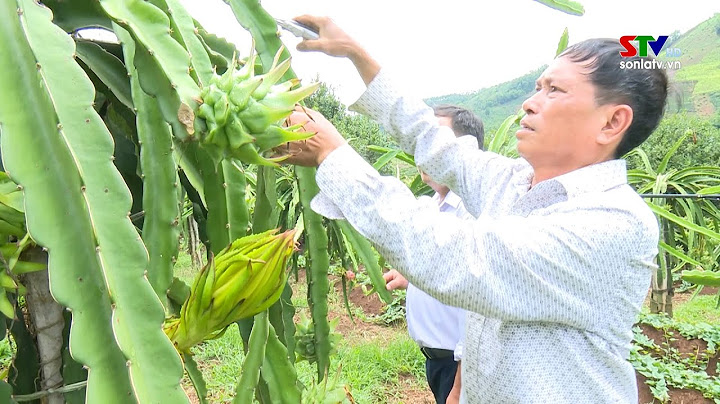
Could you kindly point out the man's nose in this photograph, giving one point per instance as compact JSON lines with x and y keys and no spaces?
{"x":530,"y":105}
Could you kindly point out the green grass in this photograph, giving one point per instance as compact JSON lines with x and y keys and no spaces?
{"x":184,"y":269}
{"x":377,"y":367}
{"x":220,"y":361}
{"x":700,"y":58}
{"x":377,"y":370}
{"x":701,"y":309}
{"x":299,"y":296}
{"x":706,"y":74}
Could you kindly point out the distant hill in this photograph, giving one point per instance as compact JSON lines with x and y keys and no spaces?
{"x":494,"y":104}
{"x":697,"y":81}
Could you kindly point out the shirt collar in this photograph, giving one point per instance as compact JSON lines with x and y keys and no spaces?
{"x":594,"y":178}
{"x":451,"y":199}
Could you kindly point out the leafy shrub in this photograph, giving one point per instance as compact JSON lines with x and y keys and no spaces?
{"x":702,"y":148}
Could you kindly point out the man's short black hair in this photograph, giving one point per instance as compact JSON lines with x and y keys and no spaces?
{"x":464,"y":122}
{"x":644,"y":90}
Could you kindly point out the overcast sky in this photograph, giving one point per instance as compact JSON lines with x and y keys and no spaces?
{"x":455,"y":46}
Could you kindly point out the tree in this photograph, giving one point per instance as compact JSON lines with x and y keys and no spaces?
{"x":359,"y":130}
{"x":700,"y":147}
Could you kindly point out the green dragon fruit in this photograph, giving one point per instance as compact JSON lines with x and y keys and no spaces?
{"x":244,"y":112}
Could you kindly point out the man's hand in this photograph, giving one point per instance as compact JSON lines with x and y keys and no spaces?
{"x":394,"y":280}
{"x":334,"y":41}
{"x":454,"y":396}
{"x":311,"y":152}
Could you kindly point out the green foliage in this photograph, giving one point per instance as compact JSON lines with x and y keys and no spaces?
{"x":279,"y":374}
{"x":563,"y":42}
{"x":359,"y":130}
{"x":664,"y":366}
{"x":701,"y":277}
{"x":395,"y":311}
{"x":326,"y":102}
{"x":220,"y":361}
{"x":701,"y":148}
{"x":673,"y":38}
{"x":6,"y":354}
{"x":317,"y":271}
{"x":326,"y":392}
{"x":305,"y":339}
{"x":366,"y":253}
{"x":106,"y":256}
{"x":92,"y":227}
{"x":688,"y":225}
{"x":566,"y":6}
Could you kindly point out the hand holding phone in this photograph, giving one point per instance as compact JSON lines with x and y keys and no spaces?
{"x":297,"y":29}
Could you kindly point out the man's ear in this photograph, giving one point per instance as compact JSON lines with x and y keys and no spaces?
{"x":618,"y":119}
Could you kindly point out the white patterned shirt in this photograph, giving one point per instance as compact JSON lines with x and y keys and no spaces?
{"x":556,"y":273}
{"x":430,"y":323}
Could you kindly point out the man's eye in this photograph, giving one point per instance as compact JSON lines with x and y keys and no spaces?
{"x":553,"y":89}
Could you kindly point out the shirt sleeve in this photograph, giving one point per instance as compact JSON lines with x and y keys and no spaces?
{"x":458,"y":353}
{"x":515,"y":269}
{"x":467,"y":171}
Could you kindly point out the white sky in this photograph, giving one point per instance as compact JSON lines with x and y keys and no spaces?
{"x":455,"y":46}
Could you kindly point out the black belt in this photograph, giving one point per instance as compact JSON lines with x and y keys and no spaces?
{"x":435,"y":353}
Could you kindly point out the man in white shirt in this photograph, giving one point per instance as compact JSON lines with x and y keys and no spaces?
{"x":555,"y":266}
{"x":436,"y":327}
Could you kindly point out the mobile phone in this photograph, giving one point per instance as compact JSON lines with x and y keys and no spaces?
{"x":297,"y":29}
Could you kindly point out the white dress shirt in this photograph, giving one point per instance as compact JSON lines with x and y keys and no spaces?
{"x":556,"y":273}
{"x":430,"y":323}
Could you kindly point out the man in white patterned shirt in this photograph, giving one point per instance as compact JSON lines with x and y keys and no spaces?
{"x":558,"y":260}
{"x":436,"y":327}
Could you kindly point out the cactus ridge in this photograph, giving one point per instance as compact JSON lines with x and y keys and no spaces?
{"x":151,"y":26}
{"x":184,"y":28}
{"x":99,"y":274}
{"x":160,"y":201}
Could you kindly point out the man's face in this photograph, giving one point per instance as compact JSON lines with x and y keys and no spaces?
{"x":562,"y":119}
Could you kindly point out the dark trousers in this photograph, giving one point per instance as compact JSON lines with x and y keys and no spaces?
{"x":441,"y":376}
